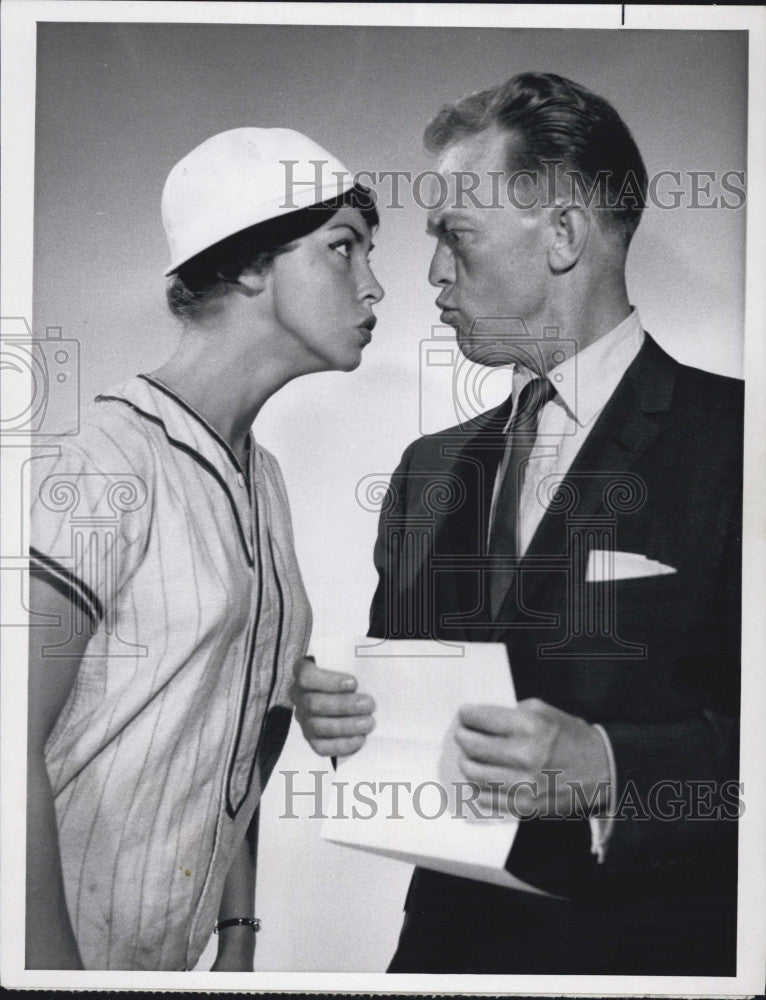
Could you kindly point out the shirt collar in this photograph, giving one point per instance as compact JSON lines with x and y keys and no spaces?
{"x":586,"y":380}
{"x":182,"y":423}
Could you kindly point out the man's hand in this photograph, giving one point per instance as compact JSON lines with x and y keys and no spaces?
{"x":533,"y":760}
{"x":335,"y":719}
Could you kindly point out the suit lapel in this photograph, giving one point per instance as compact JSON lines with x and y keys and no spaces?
{"x":625,"y":429}
{"x":461,"y":535}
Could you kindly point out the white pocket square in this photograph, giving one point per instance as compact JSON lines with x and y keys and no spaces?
{"x":607,"y":564}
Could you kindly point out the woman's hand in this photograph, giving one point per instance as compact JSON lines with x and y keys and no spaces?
{"x":334,"y":717}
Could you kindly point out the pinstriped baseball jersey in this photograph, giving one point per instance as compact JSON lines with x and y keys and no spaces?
{"x":183,"y":572}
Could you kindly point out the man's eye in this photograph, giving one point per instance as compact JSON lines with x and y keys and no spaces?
{"x":451,"y":237}
{"x":343,"y":247}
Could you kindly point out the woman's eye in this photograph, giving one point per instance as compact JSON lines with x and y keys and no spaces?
{"x":344,"y":248}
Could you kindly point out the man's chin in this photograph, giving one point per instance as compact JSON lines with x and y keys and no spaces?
{"x":486,"y":350}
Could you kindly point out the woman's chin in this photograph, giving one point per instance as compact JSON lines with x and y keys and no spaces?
{"x":351,"y":363}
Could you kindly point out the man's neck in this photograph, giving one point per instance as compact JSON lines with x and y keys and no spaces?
{"x":583,"y":322}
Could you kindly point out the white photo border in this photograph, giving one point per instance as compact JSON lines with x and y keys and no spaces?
{"x":19,"y":20}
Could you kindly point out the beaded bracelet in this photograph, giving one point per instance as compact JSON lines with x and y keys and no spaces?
{"x":252,"y":922}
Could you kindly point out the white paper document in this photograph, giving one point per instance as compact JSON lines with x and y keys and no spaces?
{"x":405,"y":796}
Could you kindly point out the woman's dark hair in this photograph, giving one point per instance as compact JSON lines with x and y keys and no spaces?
{"x":549,"y":119}
{"x":206,"y":277}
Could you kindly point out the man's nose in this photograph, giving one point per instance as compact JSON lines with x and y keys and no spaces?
{"x":442,"y":270}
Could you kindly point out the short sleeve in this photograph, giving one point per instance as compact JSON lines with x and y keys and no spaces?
{"x":88,"y":520}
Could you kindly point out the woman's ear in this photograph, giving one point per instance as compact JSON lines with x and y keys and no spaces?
{"x":571,"y":226}
{"x":251,"y":281}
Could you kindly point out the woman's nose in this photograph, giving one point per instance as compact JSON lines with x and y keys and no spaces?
{"x":371,"y":288}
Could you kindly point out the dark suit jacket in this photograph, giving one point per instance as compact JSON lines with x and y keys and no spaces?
{"x":655,"y":660}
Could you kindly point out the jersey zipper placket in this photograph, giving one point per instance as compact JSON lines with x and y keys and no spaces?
{"x":231,"y":808}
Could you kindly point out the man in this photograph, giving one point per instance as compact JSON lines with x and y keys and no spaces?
{"x":596,"y":532}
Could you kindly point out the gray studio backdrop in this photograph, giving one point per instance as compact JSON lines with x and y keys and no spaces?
{"x":117,"y":105}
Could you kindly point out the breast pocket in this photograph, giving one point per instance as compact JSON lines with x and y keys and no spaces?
{"x":645,"y":612}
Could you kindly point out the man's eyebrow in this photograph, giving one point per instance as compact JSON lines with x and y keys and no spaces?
{"x":435,"y":227}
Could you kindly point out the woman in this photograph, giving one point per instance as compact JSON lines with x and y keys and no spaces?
{"x":161,"y":542}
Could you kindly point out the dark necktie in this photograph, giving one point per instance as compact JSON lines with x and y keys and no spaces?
{"x":521,"y":433}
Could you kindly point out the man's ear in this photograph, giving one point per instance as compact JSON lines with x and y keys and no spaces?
{"x":251,"y":281}
{"x":571,"y":226}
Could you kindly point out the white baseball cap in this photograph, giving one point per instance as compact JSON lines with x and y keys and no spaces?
{"x":239,"y":178}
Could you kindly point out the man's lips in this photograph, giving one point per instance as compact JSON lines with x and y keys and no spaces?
{"x":449,"y":316}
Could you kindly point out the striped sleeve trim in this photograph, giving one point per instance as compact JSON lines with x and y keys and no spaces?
{"x":67,"y":583}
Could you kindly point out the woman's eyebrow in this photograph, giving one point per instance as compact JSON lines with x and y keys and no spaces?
{"x":347,"y":225}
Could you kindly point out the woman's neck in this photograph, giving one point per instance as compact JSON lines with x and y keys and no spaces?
{"x":228,"y":395}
